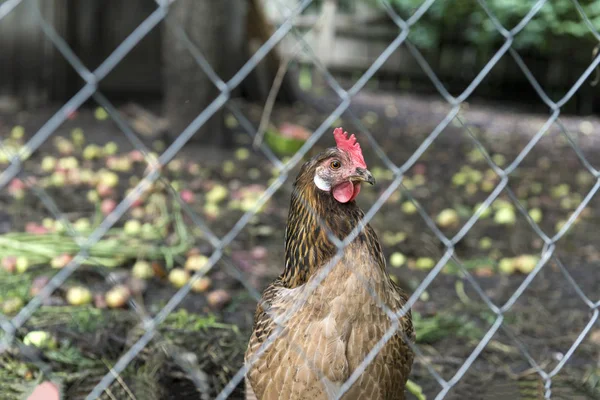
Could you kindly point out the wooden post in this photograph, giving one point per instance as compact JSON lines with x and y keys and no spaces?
{"x":217,"y":29}
{"x":326,"y":31}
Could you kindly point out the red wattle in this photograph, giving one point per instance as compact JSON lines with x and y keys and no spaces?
{"x":346,"y":191}
{"x":356,"y":190}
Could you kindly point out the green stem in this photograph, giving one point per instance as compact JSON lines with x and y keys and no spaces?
{"x":113,"y":250}
{"x":27,"y":247}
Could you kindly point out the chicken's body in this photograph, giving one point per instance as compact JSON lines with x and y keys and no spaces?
{"x":324,"y":341}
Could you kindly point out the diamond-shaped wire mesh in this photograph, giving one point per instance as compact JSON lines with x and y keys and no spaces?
{"x":149,"y":324}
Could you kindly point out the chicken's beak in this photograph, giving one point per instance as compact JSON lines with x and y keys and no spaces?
{"x":364,"y":175}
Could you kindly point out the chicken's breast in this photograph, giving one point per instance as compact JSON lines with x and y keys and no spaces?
{"x":324,"y":342}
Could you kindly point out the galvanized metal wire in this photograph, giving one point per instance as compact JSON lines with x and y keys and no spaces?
{"x":150,"y":324}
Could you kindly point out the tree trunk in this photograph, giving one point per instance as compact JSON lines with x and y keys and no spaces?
{"x":217,"y":28}
{"x":258,"y":84}
{"x":227,"y":32}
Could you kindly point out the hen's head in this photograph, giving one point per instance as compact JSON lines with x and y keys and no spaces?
{"x":341,"y":170}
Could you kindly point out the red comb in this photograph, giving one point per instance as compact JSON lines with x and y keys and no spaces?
{"x":350,"y":145}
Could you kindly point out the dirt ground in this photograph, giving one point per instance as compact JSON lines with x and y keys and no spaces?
{"x":546,"y":320}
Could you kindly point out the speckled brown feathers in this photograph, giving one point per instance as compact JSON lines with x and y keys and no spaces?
{"x":313,"y":215}
{"x":325,"y":340}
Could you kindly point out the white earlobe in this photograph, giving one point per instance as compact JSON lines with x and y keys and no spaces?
{"x":321,"y":184}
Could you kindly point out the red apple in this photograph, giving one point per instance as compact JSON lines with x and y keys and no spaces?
{"x":107,"y":206}
{"x":187,"y":196}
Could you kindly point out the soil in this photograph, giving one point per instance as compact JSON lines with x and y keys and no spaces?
{"x":546,"y":320}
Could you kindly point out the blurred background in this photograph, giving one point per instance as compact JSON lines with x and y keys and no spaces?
{"x":147,"y":155}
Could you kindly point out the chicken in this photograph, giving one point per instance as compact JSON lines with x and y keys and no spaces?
{"x":326,"y":338}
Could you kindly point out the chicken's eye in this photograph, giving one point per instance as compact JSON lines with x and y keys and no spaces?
{"x":335,"y":164}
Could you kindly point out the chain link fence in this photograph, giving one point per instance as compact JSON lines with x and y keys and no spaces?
{"x":90,"y":90}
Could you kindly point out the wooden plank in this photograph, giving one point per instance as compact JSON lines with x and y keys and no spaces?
{"x":30,"y":66}
{"x":140,"y":71}
{"x":9,"y":28}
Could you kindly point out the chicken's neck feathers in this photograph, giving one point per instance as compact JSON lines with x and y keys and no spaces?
{"x":313,"y":213}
